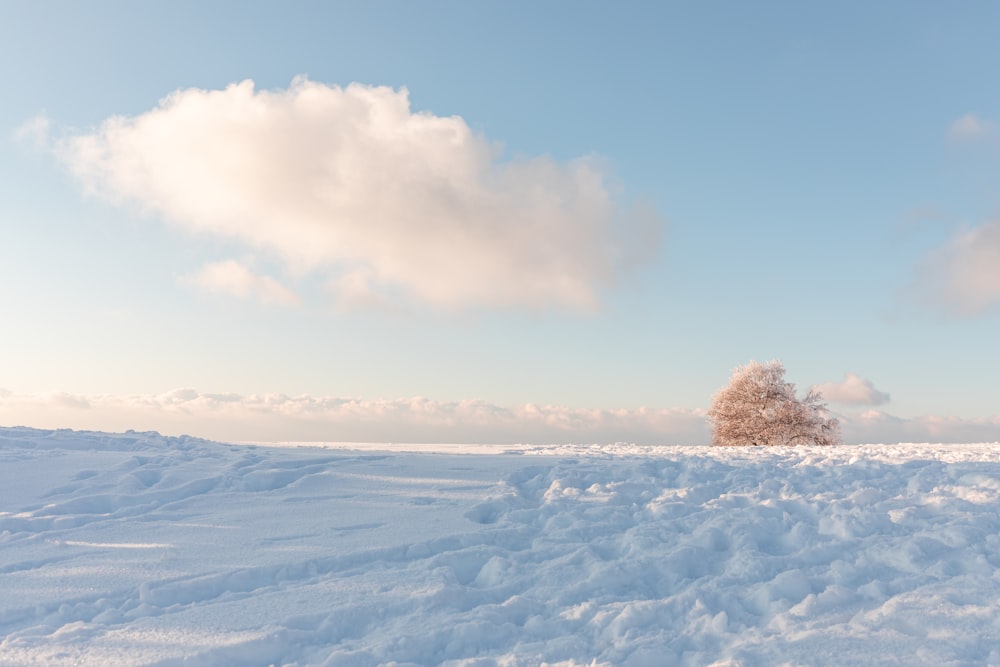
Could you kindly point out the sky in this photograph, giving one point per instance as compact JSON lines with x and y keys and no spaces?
{"x":496,"y":221}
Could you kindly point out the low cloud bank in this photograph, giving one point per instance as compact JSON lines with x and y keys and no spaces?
{"x":877,"y":426}
{"x":278,"y":417}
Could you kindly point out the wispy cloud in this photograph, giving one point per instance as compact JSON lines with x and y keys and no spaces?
{"x":384,"y":200}
{"x":233,"y":278}
{"x":971,"y":127}
{"x":36,"y":132}
{"x":963,"y":276}
{"x":852,"y":390}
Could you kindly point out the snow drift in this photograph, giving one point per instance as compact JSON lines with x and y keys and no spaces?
{"x":137,"y":549}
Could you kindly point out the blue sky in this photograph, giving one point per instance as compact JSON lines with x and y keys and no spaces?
{"x":587,"y":215}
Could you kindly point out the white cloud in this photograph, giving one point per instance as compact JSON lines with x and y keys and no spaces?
{"x":351,"y":182}
{"x":232,"y":278}
{"x":852,"y":390}
{"x":262,"y":417}
{"x":963,"y":277}
{"x":970,"y":127}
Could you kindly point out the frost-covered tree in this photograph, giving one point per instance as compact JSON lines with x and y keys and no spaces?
{"x":759,"y":408}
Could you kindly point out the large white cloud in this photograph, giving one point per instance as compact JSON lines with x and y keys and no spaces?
{"x":350,"y":181}
{"x":963,"y":276}
{"x":852,"y":390}
{"x":272,"y":417}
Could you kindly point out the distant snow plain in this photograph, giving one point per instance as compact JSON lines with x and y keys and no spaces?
{"x":138,"y":549}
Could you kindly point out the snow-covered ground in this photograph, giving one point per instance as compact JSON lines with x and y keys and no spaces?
{"x":137,"y":549}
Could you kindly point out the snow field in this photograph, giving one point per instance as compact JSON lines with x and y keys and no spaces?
{"x":136,"y":549}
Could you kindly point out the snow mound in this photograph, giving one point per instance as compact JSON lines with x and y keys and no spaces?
{"x":137,"y":549}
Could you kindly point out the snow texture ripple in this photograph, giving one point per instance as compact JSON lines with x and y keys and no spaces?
{"x":138,"y":549}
